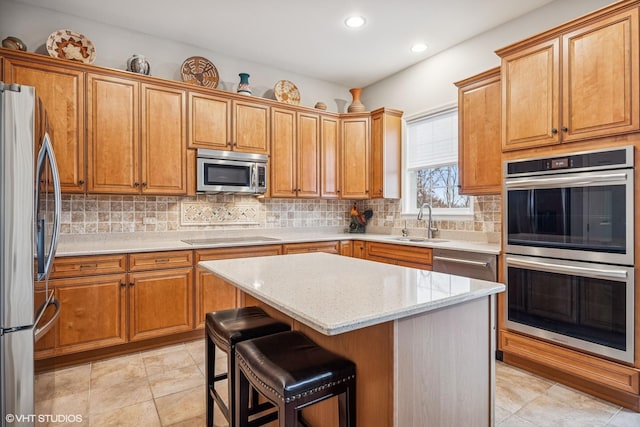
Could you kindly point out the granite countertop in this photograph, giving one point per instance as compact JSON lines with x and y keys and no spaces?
{"x":334,"y":294}
{"x":103,"y":244}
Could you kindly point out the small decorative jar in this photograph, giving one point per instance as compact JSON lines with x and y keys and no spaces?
{"x":321,"y":105}
{"x":244,"y":87}
{"x":138,"y":64}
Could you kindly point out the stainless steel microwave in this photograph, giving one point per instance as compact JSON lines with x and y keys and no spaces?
{"x":231,"y":172}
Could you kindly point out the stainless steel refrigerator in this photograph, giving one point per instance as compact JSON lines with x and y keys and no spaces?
{"x":29,"y":228}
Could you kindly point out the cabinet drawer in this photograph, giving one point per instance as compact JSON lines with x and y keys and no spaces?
{"x":155,"y":260}
{"x":88,"y":265}
{"x":404,"y":254}
{"x":237,"y":252}
{"x":332,"y":247}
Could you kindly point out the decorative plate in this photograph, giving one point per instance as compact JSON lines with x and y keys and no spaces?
{"x":287,"y":92}
{"x":68,"y":44}
{"x":199,"y":71}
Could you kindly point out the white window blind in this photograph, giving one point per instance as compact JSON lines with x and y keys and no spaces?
{"x":433,"y":141}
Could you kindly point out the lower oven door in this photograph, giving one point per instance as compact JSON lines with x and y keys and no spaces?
{"x":583,"y":305}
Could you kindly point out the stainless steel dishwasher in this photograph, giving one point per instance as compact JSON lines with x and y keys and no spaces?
{"x":463,"y":263}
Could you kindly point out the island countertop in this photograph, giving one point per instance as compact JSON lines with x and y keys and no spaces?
{"x":334,"y":294}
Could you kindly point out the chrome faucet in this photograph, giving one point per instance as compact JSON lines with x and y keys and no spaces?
{"x":420,"y":214}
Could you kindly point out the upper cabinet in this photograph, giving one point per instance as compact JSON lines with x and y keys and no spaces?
{"x":356,"y":149}
{"x":577,"y":82}
{"x":126,"y":157}
{"x":386,"y":149}
{"x":295,"y":150}
{"x":220,"y":123}
{"x":479,"y":134}
{"x":330,"y":157}
{"x":61,"y":90}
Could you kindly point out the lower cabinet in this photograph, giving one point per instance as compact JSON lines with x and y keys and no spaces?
{"x":406,"y":256}
{"x":331,"y":247}
{"x":213,"y":293}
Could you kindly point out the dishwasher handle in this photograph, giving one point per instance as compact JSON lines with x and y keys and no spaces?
{"x":461,"y":261}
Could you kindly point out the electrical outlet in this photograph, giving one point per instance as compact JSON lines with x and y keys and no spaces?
{"x":148,"y":220}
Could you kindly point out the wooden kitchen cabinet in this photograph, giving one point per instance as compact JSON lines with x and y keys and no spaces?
{"x":406,"y":256}
{"x":223,"y":123}
{"x":62,"y":92}
{"x":386,"y":152}
{"x":330,"y":167}
{"x":358,"y":249}
{"x":331,"y":247}
{"x":124,"y":158}
{"x":213,"y":293}
{"x":479,"y":149}
{"x":576,"y":82}
{"x":295,"y":152}
{"x":346,"y":248}
{"x":356,"y":148}
{"x":46,"y":345}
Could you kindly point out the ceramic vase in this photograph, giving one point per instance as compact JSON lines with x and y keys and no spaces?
{"x":138,"y":64}
{"x":356,"y":106}
{"x":243,"y":86}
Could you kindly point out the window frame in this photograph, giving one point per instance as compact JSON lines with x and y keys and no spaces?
{"x":408,"y":185}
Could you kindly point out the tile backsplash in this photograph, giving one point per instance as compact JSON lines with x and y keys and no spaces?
{"x":87,"y":214}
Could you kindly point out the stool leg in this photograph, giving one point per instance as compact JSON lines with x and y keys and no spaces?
{"x":231,"y":382}
{"x":347,"y":407}
{"x":211,"y":366}
{"x":287,"y":415}
{"x":241,"y":397}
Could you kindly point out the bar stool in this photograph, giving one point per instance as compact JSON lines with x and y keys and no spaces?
{"x":293,"y":372}
{"x":225,"y":329}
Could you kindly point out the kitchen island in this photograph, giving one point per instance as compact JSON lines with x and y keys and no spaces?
{"x":422,"y":341}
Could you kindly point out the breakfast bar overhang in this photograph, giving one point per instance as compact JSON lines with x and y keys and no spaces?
{"x":423,"y":342}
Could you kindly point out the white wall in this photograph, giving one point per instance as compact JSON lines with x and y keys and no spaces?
{"x":428,"y":85}
{"x":115,"y":45}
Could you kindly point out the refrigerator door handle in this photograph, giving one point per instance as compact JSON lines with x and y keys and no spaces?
{"x":44,"y":265}
{"x":41,"y":331}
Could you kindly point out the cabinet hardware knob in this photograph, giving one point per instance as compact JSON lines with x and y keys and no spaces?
{"x":162,"y":260}
{"x":229,"y":143}
{"x":565,"y":129}
{"x":554,"y":131}
{"x":81,"y":182}
{"x":85,"y":266}
{"x":235,"y":144}
{"x":122,"y":284}
{"x":136,"y":184}
{"x":144,"y":184}
{"x":131,"y":283}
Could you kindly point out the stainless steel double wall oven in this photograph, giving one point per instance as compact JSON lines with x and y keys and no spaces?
{"x":569,"y":244}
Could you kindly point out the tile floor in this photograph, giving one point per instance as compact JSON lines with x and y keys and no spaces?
{"x":166,"y":387}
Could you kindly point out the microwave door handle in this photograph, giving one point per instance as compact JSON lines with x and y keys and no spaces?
{"x":597,"y":273}
{"x":254,"y":177}
{"x":46,"y":152}
{"x":552,"y":182}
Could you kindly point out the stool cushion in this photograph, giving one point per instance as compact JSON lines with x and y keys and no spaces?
{"x":291,"y":364}
{"x":239,"y":324}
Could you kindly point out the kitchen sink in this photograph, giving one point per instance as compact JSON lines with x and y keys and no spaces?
{"x":218,"y":240}
{"x":419,"y":239}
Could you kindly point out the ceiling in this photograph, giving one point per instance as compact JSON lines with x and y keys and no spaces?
{"x":308,"y":37}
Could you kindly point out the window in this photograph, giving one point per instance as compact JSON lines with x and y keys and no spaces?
{"x":431,"y":165}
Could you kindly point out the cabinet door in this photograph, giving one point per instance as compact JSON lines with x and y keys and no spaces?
{"x":209,"y":122}
{"x":530,"y":97}
{"x":600,"y":78}
{"x":213,"y":293}
{"x":308,"y":155}
{"x":358,"y":249}
{"x":479,"y":157}
{"x":250,"y":127}
{"x":386,"y":149}
{"x":92,"y":312}
{"x":62,"y":93}
{"x":355,"y":158}
{"x":164,"y":141}
{"x":329,"y":158}
{"x":346,"y":248}
{"x":113,"y":130}
{"x":160,"y":303}
{"x":283,"y":153}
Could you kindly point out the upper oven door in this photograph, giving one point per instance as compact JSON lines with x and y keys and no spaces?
{"x":218,"y":175}
{"x":581,"y":216}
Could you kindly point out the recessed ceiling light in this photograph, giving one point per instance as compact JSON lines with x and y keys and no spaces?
{"x":418,"y":47}
{"x":354,"y":21}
